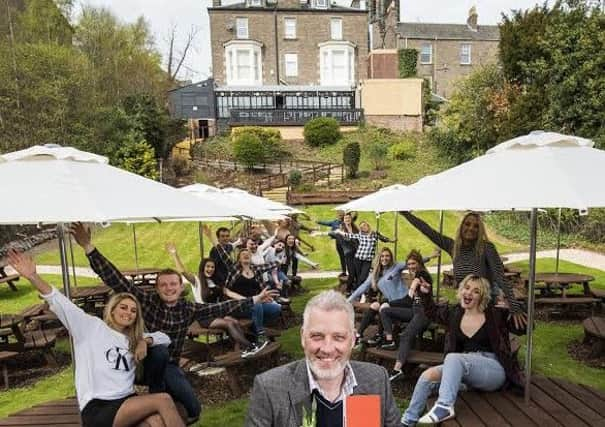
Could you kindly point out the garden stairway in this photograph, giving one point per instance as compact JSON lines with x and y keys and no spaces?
{"x":278,"y":194}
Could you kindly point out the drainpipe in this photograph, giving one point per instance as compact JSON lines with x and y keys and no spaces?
{"x":276,"y":43}
{"x":435,"y":66}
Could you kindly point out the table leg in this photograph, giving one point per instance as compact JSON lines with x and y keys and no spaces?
{"x":587,"y":292}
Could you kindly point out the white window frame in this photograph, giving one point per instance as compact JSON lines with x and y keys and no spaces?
{"x":321,"y":4}
{"x":255,"y":3}
{"x":241,"y":28}
{"x":232,"y":71}
{"x":291,"y":58}
{"x":466,"y":57}
{"x":292,"y":33}
{"x":430,"y":53}
{"x":336,"y":28}
{"x":328,"y":75}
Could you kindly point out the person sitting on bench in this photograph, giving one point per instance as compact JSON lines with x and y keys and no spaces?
{"x":106,"y":353}
{"x":477,"y":348}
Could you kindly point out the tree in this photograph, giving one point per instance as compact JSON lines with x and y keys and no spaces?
{"x":248,"y":149}
{"x":351,"y":154}
{"x":138,"y":157}
{"x":377,"y":150}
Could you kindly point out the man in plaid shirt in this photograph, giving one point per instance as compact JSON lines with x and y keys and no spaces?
{"x":165,"y":311}
{"x":368,"y":240}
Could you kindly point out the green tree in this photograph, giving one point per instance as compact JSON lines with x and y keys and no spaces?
{"x":248,"y":149}
{"x":351,"y":154}
{"x":377,"y":150}
{"x":137,"y":157}
{"x":322,"y":131}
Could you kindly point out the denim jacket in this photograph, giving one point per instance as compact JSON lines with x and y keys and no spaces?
{"x":390,"y":284}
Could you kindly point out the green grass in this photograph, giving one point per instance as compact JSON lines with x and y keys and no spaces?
{"x":26,"y":295}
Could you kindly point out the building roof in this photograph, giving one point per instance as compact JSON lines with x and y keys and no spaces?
{"x":418,"y":30}
{"x":299,"y":7}
{"x":284,"y":88}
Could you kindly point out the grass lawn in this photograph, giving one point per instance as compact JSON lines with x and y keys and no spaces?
{"x":117,"y":240}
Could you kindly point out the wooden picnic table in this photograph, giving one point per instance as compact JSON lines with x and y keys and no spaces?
{"x":562,"y":281}
{"x":9,"y":325}
{"x":9,"y":279}
{"x":142,"y":276}
{"x":14,"y":338}
{"x":91,"y":299}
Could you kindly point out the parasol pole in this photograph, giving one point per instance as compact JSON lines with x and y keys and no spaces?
{"x":439,"y":257}
{"x":533,"y":227}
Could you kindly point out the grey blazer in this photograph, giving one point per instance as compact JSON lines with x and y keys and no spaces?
{"x":279,"y":395}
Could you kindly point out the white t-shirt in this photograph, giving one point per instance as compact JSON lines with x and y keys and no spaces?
{"x":105,"y":369}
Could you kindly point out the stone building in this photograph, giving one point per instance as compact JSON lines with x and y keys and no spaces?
{"x":282,"y":62}
{"x":446,"y":52}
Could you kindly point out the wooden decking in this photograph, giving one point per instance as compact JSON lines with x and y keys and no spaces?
{"x":553,"y":403}
{"x":61,"y":413}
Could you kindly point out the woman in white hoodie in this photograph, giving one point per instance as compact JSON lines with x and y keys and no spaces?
{"x":106,"y":353}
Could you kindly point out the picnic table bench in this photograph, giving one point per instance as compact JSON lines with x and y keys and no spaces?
{"x":58,"y":413}
{"x":91,"y":299}
{"x":568,"y":305}
{"x":415,"y":357}
{"x":233,"y":360}
{"x":546,"y":283}
{"x":594,"y":334}
{"x":19,"y":340}
{"x":9,"y":280}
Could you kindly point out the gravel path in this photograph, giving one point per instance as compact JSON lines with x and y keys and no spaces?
{"x":577,"y":256}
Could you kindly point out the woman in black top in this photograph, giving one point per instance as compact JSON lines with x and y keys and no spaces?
{"x":473,"y":253}
{"x":413,"y":314}
{"x":349,"y":247}
{"x":206,"y":290}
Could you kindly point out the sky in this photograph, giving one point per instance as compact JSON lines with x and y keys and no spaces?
{"x":163,"y":15}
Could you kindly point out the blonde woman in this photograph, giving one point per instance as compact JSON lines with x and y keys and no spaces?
{"x":106,"y":353}
{"x":473,"y":253}
{"x":477,"y":349}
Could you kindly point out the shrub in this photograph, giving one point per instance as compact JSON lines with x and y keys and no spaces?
{"x":294,"y":178}
{"x":407,"y":62}
{"x":377,"y":150}
{"x":322,"y":131}
{"x":181,"y":166}
{"x":270,"y":138}
{"x":350,"y":157}
{"x":402,"y":150}
{"x":137,"y":157}
{"x":248,"y":149}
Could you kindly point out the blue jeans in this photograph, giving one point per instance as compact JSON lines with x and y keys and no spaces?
{"x":262,"y":310}
{"x":164,"y":375}
{"x":480,"y":371}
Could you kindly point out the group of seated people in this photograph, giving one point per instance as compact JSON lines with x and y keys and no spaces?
{"x":252,"y":285}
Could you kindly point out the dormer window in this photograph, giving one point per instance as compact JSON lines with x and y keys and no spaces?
{"x":321,"y":4}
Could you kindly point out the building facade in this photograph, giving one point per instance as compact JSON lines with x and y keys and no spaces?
{"x":446,"y":52}
{"x":283,"y":62}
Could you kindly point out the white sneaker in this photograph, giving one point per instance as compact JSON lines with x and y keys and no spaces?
{"x":437,"y":414}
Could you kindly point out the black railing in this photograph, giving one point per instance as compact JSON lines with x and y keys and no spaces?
{"x":292,"y":117}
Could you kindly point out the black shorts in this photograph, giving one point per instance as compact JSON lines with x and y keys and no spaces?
{"x":101,"y":413}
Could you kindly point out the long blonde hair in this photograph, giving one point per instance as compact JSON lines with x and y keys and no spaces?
{"x":481,"y":236}
{"x":135,"y":331}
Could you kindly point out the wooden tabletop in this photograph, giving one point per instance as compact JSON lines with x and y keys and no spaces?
{"x":563,"y":278}
{"x":141,"y":271}
{"x":10,"y":320}
{"x":89,"y":291}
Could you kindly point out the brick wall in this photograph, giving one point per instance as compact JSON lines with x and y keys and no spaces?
{"x":398,"y":123}
{"x":383,"y":64}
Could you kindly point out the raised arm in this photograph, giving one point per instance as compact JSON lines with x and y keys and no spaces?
{"x":172,"y":251}
{"x":444,"y":242}
{"x":71,"y":316}
{"x":383,"y":238}
{"x":108,"y":272}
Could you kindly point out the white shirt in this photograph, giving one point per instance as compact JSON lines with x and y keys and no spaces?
{"x":105,"y":368}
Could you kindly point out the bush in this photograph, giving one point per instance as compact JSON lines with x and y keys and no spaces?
{"x":322,"y":131}
{"x":294,"y":178}
{"x":377,"y":150}
{"x":248,"y":149}
{"x":402,"y":150}
{"x":181,"y":166}
{"x":350,"y":157}
{"x":137,"y":157}
{"x":270,"y":138}
{"x":217,"y":147}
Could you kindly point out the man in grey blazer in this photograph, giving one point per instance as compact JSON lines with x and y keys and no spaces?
{"x":320,"y":383}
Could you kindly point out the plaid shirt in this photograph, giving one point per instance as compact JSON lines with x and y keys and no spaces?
{"x":173,"y":320}
{"x":367,"y":244}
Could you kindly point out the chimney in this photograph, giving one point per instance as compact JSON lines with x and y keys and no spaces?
{"x":216,"y":3}
{"x":471,"y":21}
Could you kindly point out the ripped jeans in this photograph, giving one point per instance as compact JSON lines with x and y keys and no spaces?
{"x":480,"y":370}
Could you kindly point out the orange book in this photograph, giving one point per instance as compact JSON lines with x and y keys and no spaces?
{"x":363,"y":411}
